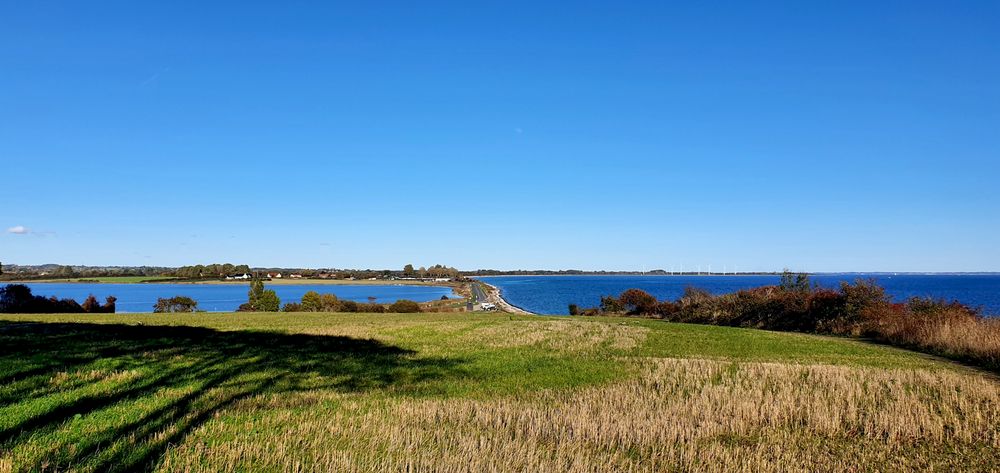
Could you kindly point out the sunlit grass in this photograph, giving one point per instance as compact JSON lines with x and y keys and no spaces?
{"x":460,"y":392}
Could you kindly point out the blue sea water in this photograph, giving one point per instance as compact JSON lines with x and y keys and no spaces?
{"x":553,"y":294}
{"x":228,"y":297}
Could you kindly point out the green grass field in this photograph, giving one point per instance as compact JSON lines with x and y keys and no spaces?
{"x":461,"y":392}
{"x":105,"y":279}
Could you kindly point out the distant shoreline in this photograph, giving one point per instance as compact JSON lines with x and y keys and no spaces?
{"x":276,"y":282}
{"x":686,"y":274}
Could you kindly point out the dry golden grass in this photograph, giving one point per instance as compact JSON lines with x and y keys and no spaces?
{"x":957,"y":336}
{"x":483,"y":392}
{"x":678,"y":415}
{"x":572,"y":336}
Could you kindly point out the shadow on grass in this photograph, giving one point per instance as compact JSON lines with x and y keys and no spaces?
{"x":115,"y":397}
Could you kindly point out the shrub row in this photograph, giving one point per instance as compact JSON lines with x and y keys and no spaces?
{"x":313,"y":301}
{"x":175,"y":304}
{"x":859,"y":309}
{"x":18,"y":299}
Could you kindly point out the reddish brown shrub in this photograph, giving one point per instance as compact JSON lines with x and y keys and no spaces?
{"x":637,"y":301}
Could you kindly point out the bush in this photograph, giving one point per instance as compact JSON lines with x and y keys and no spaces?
{"x":666,"y":309}
{"x":349,"y":306}
{"x":404,"y":306}
{"x":329,"y":303}
{"x":940,"y":308}
{"x":292,"y":307}
{"x":109,"y":305}
{"x":90,"y":304}
{"x":826,"y":308}
{"x":612,"y":305}
{"x":637,"y":301}
{"x":373,"y":308}
{"x":65,"y":306}
{"x":175,"y":304}
{"x":864,"y":303}
{"x":694,"y":296}
{"x":574,"y":309}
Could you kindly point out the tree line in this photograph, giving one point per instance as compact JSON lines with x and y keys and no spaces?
{"x":215,"y":271}
{"x":209,"y":271}
{"x":436,"y":271}
{"x":260,"y":299}
{"x":55,"y":271}
{"x":18,"y":299}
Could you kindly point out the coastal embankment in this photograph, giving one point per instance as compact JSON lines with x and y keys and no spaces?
{"x":494,"y":296}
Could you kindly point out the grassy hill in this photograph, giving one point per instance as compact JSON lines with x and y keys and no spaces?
{"x":460,"y":392}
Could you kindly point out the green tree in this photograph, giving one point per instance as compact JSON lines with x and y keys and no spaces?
{"x":269,"y":301}
{"x":255,"y":293}
{"x":794,"y":282}
{"x":408,"y":271}
{"x":260,"y":299}
{"x":312,"y":302}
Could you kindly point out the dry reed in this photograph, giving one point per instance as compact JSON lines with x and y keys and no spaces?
{"x":680,"y":415}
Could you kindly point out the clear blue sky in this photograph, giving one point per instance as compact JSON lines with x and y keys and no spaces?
{"x":819,"y":136}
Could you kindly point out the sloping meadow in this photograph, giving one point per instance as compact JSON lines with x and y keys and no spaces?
{"x":428,"y":392}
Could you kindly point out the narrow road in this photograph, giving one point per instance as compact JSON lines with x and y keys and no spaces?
{"x":478,"y":296}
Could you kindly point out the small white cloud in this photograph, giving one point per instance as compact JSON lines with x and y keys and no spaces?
{"x":19,"y":230}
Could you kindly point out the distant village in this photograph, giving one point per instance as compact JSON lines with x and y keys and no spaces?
{"x":225,"y":271}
